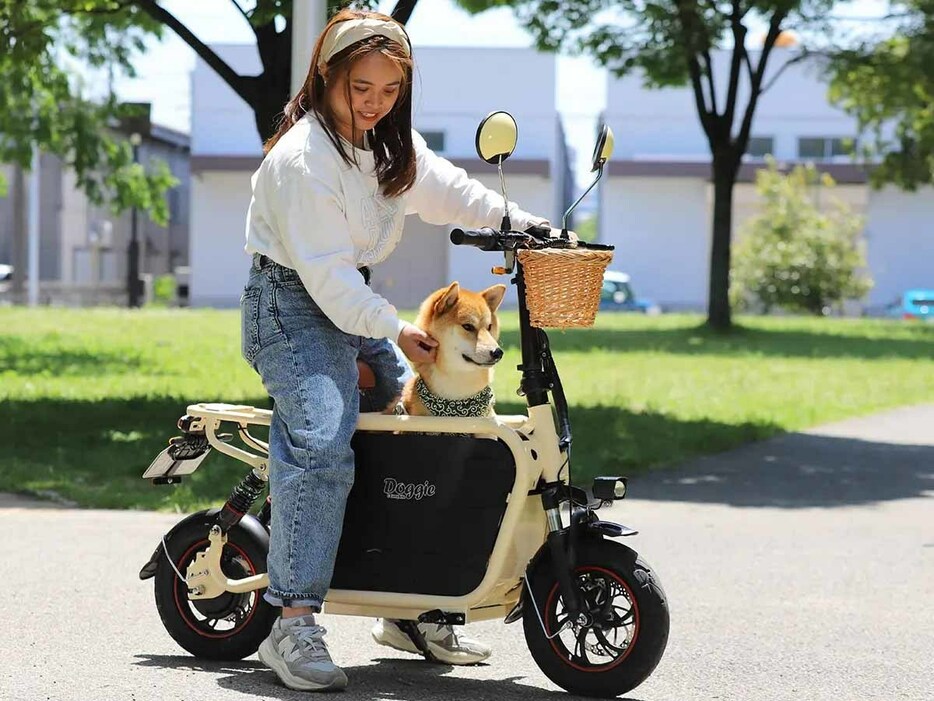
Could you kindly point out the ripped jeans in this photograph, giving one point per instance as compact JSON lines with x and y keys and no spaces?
{"x":308,"y":366}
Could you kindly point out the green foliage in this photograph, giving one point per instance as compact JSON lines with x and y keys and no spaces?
{"x":793,"y":255}
{"x":43,"y":102}
{"x":163,"y":290}
{"x":888,"y":85}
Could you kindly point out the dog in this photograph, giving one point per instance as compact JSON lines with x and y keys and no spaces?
{"x":459,"y":381}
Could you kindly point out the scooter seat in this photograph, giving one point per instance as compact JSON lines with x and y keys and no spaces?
{"x":366,"y":378}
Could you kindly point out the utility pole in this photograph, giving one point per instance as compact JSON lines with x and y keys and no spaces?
{"x":32,"y":290}
{"x":133,"y":281}
{"x":308,"y":20}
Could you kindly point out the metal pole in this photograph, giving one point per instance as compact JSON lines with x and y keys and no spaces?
{"x":308,"y":20}
{"x":32,"y":294}
{"x":133,"y":249}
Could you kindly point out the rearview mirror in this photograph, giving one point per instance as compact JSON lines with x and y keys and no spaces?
{"x":601,"y":154}
{"x":496,"y":137}
{"x":603,"y":149}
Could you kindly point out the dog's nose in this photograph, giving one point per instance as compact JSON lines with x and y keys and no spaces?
{"x":496,"y":354}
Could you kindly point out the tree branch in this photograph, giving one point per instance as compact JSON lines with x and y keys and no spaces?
{"x":797,"y":59}
{"x":739,"y":52}
{"x":242,"y":11}
{"x":403,"y":10}
{"x":710,"y":82}
{"x":227,"y":74}
{"x":694,"y":69}
{"x":755,"y":89}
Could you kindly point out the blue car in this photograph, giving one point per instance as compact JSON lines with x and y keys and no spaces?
{"x":617,"y":295}
{"x":914,"y":304}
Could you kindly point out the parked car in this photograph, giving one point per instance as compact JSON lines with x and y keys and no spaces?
{"x":618,"y":295}
{"x":914,"y":304}
{"x":6,"y":277}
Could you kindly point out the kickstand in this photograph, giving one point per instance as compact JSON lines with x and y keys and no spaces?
{"x":410,"y":628}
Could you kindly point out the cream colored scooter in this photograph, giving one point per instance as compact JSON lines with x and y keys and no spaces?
{"x":450,"y":520}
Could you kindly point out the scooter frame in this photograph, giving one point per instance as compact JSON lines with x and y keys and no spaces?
{"x":532,"y":511}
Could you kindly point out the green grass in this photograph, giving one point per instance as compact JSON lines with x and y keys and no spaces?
{"x":88,"y":397}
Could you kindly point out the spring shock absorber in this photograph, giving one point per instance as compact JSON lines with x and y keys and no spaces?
{"x":240,"y":501}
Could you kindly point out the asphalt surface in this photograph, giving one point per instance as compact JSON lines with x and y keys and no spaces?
{"x":797,"y":568}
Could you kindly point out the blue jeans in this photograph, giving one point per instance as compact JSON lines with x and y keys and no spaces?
{"x":308,"y":366}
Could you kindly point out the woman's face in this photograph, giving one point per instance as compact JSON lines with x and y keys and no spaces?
{"x":375,"y":82}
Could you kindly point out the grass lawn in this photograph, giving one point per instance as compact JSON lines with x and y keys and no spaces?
{"x":88,"y":397}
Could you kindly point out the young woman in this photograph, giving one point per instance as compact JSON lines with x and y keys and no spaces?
{"x":329,"y":200}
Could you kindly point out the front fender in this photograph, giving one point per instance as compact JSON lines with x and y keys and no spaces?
{"x":584,"y":528}
{"x":204,"y":519}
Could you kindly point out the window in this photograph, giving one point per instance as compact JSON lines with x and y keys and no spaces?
{"x":824,"y":148}
{"x":434,"y":139}
{"x":760,"y":146}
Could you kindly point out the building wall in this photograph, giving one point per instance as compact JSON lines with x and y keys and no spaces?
{"x":661,"y":231}
{"x":900,"y":241}
{"x":218,"y":262}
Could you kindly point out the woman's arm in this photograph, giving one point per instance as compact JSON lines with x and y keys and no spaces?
{"x":444,"y":194}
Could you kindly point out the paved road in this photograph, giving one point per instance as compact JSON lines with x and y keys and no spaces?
{"x":798,"y":568}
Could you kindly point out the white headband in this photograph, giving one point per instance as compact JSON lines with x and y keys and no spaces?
{"x":350,"y":32}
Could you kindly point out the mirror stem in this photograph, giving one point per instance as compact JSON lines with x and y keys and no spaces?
{"x":564,"y":221}
{"x":506,"y":225}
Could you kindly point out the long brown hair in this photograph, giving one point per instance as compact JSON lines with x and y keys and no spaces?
{"x":391,"y":138}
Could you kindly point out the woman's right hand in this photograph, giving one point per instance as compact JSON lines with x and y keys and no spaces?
{"x":417,"y":345}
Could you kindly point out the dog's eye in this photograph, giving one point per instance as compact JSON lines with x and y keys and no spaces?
{"x":469,"y":327}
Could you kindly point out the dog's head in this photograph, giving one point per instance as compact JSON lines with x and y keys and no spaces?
{"x":465,"y":325}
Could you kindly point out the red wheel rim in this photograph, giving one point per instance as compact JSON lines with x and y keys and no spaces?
{"x":183,"y":603}
{"x":550,"y":618}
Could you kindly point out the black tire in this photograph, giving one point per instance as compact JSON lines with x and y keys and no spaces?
{"x":231,"y":626}
{"x":630,"y":619}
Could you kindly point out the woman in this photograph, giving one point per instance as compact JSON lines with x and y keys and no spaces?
{"x":329,"y":199}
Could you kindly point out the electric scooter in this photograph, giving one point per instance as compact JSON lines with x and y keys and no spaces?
{"x":528,"y":546}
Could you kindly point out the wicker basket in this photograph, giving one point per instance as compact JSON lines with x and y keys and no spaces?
{"x":562,"y":286}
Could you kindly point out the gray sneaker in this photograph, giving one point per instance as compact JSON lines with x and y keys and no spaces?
{"x":295,"y":650}
{"x":446,"y":645}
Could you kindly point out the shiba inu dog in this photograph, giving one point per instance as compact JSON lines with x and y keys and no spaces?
{"x":459,"y":382}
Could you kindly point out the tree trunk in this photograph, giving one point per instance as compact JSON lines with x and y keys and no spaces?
{"x":267,"y":112}
{"x":718,"y":302}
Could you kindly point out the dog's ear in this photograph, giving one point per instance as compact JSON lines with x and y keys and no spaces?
{"x":494,"y":296}
{"x":448,"y":299}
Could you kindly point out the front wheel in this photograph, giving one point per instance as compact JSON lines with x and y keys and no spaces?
{"x":230,"y":626}
{"x":625,"y":629}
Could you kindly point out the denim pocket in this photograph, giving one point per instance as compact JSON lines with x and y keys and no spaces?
{"x":249,"y":323}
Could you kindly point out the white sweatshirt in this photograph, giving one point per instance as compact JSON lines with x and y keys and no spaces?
{"x":323,"y":218}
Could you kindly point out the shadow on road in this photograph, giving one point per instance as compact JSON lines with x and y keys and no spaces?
{"x":797,"y":471}
{"x":385,"y":679}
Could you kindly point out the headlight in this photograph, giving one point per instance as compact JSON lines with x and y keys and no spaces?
{"x":609,"y":488}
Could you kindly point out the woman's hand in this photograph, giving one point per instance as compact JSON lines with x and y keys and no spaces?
{"x":417,"y":345}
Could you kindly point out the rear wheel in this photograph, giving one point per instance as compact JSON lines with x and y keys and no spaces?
{"x":230,"y":626}
{"x":623,"y":634}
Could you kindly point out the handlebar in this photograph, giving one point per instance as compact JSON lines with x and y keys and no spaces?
{"x":489,"y":239}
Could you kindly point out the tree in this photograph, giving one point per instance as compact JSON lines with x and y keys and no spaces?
{"x":42,"y":104}
{"x":887,"y":84}
{"x":795,"y":256}
{"x":38,"y":38}
{"x":672,"y":43}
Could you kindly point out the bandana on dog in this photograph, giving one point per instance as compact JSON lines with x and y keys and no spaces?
{"x":480,"y":404}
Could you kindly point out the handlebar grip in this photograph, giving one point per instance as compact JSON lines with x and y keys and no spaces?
{"x":484,"y":239}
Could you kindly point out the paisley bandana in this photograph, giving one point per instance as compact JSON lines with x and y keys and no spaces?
{"x":480,"y":404}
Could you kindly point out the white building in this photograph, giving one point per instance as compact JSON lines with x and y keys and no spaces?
{"x":657,"y":203}
{"x":454,"y":89}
